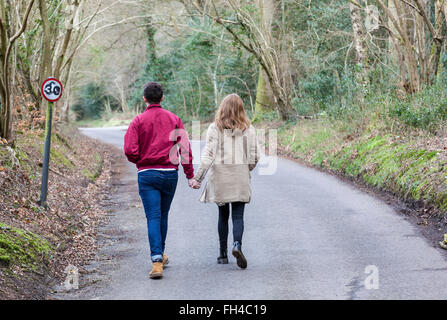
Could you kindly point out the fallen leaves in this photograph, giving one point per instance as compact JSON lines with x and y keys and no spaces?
{"x":75,"y":211}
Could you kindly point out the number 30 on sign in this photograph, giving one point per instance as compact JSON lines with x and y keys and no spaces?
{"x":51,"y":89}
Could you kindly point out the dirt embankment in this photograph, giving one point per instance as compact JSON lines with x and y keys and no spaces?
{"x":36,"y":244}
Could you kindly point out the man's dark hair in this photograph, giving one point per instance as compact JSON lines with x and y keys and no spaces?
{"x":153,"y":92}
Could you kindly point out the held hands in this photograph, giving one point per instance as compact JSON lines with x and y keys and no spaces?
{"x":194,"y":183}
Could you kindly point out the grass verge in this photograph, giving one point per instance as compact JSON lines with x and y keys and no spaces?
{"x":410,"y":164}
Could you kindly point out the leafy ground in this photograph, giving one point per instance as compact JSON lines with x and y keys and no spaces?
{"x":36,"y":244}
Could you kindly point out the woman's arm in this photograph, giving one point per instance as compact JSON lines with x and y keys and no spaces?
{"x":209,"y":154}
{"x":255,"y":152}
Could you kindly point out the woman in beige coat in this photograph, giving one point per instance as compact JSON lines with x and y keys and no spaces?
{"x":230,"y":154}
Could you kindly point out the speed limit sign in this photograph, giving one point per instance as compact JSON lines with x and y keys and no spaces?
{"x":51,"y":89}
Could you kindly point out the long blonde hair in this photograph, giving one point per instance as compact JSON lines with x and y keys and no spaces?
{"x":231,"y":114}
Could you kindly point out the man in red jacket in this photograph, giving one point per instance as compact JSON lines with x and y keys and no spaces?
{"x":152,"y":142}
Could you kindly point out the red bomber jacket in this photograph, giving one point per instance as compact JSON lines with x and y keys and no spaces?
{"x":154,"y":139}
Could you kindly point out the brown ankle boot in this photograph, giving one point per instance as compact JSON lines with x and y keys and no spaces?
{"x":157,"y":270}
{"x":165,"y":260}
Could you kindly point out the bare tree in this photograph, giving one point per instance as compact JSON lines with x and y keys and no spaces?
{"x":361,"y":52}
{"x":46,"y":56}
{"x":73,"y":10}
{"x":263,"y":90}
{"x":6,"y":45}
{"x":409,"y":24}
{"x":247,"y":30}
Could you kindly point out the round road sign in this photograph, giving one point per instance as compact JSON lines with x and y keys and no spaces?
{"x":51,"y":89}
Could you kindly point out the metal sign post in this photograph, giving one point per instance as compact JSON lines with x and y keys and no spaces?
{"x":52,"y":91}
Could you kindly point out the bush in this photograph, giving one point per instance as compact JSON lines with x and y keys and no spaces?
{"x":186,"y":70}
{"x":92,"y":101}
{"x":426,"y":109}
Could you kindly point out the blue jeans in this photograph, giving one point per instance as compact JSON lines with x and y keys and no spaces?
{"x":157,"y":189}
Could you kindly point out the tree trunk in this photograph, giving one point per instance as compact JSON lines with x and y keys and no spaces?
{"x":25,"y":76}
{"x":5,"y":83}
{"x":67,"y":37}
{"x":435,"y":55}
{"x":283,"y":102}
{"x":400,"y":24}
{"x":409,"y":53}
{"x":392,"y":43}
{"x":359,"y":37}
{"x":45,"y":66}
{"x":420,"y":45}
{"x":66,"y":107}
{"x":263,"y":96}
{"x":271,"y":78}
{"x":5,"y":115}
{"x":263,"y":99}
{"x":6,"y":45}
{"x":5,"y":107}
{"x":361,"y":52}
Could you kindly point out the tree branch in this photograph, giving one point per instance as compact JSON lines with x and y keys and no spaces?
{"x":427,"y":21}
{"x":22,"y":29}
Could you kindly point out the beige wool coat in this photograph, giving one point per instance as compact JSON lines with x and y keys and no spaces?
{"x":228,"y":158}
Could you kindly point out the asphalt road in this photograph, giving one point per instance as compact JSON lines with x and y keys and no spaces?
{"x":308,"y":235}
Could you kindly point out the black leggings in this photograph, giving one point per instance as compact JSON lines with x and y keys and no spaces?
{"x":237,"y":215}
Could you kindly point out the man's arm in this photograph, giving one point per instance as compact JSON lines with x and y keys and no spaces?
{"x":185,"y":151}
{"x":131,"y":143}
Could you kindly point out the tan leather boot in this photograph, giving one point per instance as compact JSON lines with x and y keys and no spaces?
{"x":157,"y":270}
{"x":165,"y":260}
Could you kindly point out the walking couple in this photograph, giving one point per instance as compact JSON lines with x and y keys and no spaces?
{"x":156,"y":140}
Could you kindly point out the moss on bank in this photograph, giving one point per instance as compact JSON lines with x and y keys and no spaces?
{"x":381,"y":160}
{"x":22,"y":248}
